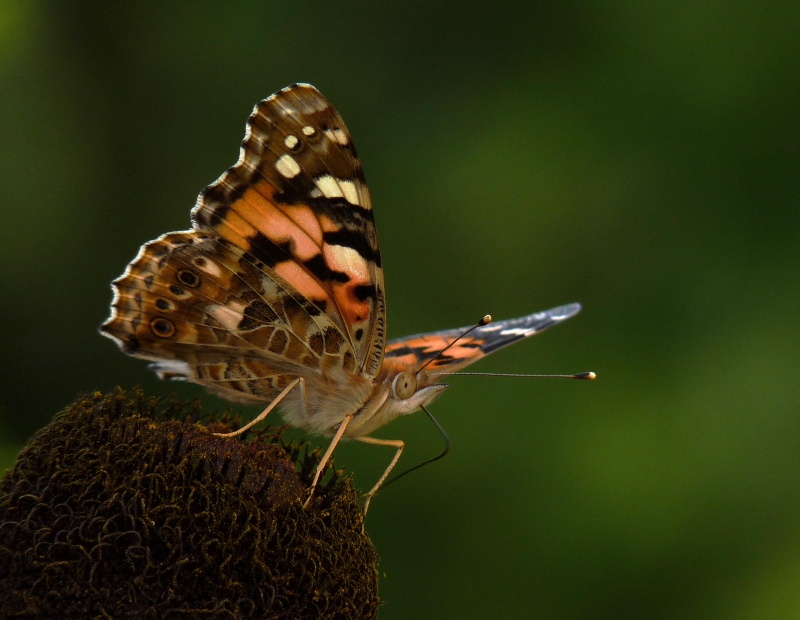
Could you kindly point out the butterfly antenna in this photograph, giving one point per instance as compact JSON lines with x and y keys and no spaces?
{"x":484,"y":321}
{"x":585,"y":376}
{"x":435,"y":458}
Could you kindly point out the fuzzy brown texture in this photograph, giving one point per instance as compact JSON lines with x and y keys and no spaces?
{"x":117,"y":511}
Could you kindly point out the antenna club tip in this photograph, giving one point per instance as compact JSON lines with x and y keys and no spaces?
{"x":485,"y":320}
{"x":586,"y":375}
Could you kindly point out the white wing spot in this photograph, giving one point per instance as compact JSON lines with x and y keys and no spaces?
{"x":350,"y":193}
{"x":287,"y":166}
{"x":336,"y":135}
{"x":329,"y":186}
{"x":518,"y":331}
{"x":349,"y":260}
{"x":176,"y":370}
{"x":290,"y":141}
{"x":338,"y":188}
{"x":210,"y":267}
{"x":308,"y":130}
{"x":229,"y":317}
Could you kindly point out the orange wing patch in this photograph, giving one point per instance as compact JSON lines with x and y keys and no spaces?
{"x":417,"y":350}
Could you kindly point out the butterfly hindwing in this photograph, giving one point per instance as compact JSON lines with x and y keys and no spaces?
{"x":415,"y":350}
{"x":197,"y":306}
{"x":297,"y":203}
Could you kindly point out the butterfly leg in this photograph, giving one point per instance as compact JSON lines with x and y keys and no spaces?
{"x":327,"y":455}
{"x":304,"y":398}
{"x":395,"y":443}
{"x":270,"y":407}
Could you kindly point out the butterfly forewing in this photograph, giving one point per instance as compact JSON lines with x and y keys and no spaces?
{"x":297,"y":204}
{"x":414,"y":351}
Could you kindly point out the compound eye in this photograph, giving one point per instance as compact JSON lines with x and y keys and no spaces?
{"x":404,"y":385}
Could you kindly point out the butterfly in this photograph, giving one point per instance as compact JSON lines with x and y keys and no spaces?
{"x":276,"y":294}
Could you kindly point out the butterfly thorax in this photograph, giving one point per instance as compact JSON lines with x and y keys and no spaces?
{"x":373,"y":402}
{"x":320,"y":405}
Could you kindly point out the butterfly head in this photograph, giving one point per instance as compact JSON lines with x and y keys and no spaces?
{"x":409,"y":391}
{"x":400,"y":389}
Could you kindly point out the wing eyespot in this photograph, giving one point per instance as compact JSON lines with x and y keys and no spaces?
{"x":189,"y":278}
{"x":162,"y":328}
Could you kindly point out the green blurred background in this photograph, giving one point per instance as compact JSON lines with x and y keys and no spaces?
{"x":641,"y":158}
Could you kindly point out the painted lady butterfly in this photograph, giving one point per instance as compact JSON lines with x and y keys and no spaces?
{"x":276,"y":294}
